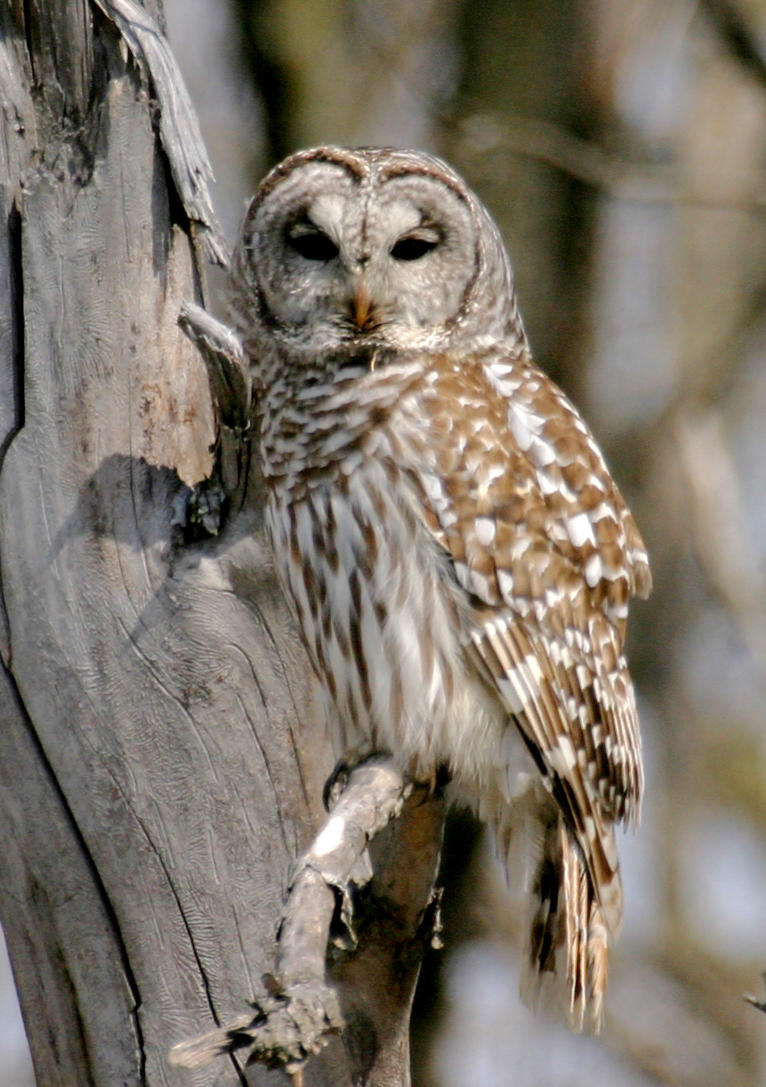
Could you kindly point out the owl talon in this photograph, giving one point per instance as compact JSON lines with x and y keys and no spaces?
{"x":335,"y":784}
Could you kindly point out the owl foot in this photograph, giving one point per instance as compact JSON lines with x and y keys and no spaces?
{"x":336,"y":783}
{"x":341,"y":773}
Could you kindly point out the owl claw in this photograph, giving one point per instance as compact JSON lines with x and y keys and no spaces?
{"x":335,"y":784}
{"x":342,"y":771}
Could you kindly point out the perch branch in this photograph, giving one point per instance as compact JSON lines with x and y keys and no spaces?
{"x":298,"y":1011}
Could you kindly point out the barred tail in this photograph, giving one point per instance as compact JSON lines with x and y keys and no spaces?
{"x":565,"y":962}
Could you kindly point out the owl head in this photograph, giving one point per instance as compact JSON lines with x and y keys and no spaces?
{"x":344,"y":250}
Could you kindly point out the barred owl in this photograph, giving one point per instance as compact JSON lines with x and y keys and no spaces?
{"x":455,"y":551}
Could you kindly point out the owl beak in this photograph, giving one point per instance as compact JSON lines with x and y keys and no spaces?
{"x":361,"y":306}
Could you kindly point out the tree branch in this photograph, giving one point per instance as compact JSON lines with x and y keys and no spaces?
{"x":299,"y":1011}
{"x":480,"y":134}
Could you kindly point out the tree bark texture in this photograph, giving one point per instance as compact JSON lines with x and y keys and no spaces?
{"x":160,"y":762}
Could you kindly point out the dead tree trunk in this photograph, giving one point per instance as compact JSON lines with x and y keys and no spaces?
{"x":160,"y":766}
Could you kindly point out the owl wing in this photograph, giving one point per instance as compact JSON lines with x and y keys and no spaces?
{"x":548,"y":554}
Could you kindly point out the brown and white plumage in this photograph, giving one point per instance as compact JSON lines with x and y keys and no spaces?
{"x":456,"y":552}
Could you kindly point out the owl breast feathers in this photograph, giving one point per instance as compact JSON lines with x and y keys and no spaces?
{"x":452,"y":544}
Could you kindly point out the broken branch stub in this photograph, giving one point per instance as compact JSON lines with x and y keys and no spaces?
{"x":224,"y":357}
{"x":203,"y":509}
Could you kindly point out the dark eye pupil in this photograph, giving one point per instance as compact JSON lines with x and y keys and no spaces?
{"x":314,"y":245}
{"x":412,"y":248}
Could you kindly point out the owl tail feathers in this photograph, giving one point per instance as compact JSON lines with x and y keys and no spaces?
{"x":565,"y":965}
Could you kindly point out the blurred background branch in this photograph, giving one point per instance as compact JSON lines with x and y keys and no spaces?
{"x":733,"y":24}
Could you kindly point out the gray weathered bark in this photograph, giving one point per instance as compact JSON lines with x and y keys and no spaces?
{"x":160,"y":765}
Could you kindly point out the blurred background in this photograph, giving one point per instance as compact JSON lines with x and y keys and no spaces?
{"x":621,"y":147}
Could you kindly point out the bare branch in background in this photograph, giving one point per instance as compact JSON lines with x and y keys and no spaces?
{"x":759,"y":1004}
{"x":737,"y":35}
{"x":720,"y":534}
{"x":642,"y":183}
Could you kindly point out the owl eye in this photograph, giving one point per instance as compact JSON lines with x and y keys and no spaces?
{"x":311,"y":243}
{"x":414,"y":246}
